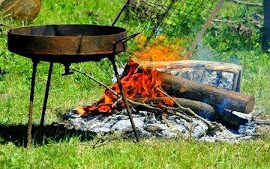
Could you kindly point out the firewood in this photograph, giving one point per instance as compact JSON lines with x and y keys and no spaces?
{"x":206,"y":111}
{"x":202,"y":109}
{"x":220,"y":99}
{"x":227,"y":118}
{"x":195,"y":70}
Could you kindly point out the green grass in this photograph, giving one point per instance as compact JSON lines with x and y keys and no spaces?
{"x":61,"y":148}
{"x":146,"y":154}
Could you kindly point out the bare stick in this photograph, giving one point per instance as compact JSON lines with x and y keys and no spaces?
{"x":143,"y":105}
{"x":5,"y":25}
{"x":116,"y":102}
{"x":262,"y":122}
{"x":202,"y":31}
{"x":171,"y":110}
{"x":97,"y":81}
{"x":165,"y":120}
{"x":180,"y":115}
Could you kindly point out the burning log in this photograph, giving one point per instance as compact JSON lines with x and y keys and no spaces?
{"x":218,"y":98}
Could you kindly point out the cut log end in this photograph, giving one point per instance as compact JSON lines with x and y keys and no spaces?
{"x":250,"y":104}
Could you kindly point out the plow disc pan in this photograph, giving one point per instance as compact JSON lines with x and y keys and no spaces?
{"x":66,"y":43}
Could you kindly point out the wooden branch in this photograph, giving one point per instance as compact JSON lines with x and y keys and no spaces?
{"x":180,"y":115}
{"x":262,"y":122}
{"x":155,"y":108}
{"x":97,"y":81}
{"x":257,"y":23}
{"x":200,"y":34}
{"x":227,"y":21}
{"x":251,"y":4}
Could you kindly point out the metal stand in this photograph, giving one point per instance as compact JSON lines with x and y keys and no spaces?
{"x":67,"y":72}
{"x":32,"y":93}
{"x":46,"y":95}
{"x":112,"y":59}
{"x":30,"y":114}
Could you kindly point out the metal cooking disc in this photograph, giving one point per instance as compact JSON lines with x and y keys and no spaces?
{"x":66,"y":43}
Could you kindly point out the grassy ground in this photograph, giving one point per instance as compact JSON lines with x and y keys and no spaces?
{"x":146,"y":154}
{"x":67,"y":149}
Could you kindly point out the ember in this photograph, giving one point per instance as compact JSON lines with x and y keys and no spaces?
{"x":144,"y":84}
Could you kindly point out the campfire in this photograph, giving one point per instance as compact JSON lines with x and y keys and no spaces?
{"x":146,"y":87}
{"x":165,"y":95}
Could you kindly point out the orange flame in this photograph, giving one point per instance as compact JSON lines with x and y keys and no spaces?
{"x":161,"y":49}
{"x":137,"y":84}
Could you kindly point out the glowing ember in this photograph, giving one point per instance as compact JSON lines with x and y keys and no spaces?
{"x":137,"y":84}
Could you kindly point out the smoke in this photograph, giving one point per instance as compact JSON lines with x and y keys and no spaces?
{"x":204,"y":52}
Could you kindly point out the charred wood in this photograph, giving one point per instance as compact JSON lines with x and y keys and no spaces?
{"x":227,"y":118}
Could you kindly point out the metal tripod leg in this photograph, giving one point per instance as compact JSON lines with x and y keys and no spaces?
{"x":112,"y":59}
{"x":30,"y":114}
{"x":46,"y":95}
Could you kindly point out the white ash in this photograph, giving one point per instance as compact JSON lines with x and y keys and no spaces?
{"x":148,"y":125}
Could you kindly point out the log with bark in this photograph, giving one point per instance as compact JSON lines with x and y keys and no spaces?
{"x":220,"y":99}
{"x":225,"y":117}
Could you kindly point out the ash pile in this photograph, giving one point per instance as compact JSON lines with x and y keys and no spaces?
{"x":207,"y":118}
{"x":148,"y":126}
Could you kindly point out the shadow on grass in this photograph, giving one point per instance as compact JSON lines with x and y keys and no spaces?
{"x":41,"y":135}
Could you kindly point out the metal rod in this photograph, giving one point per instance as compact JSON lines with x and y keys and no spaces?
{"x":30,"y":114}
{"x":126,"y":104}
{"x":46,"y":95}
{"x":159,"y":22}
{"x":121,"y":11}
